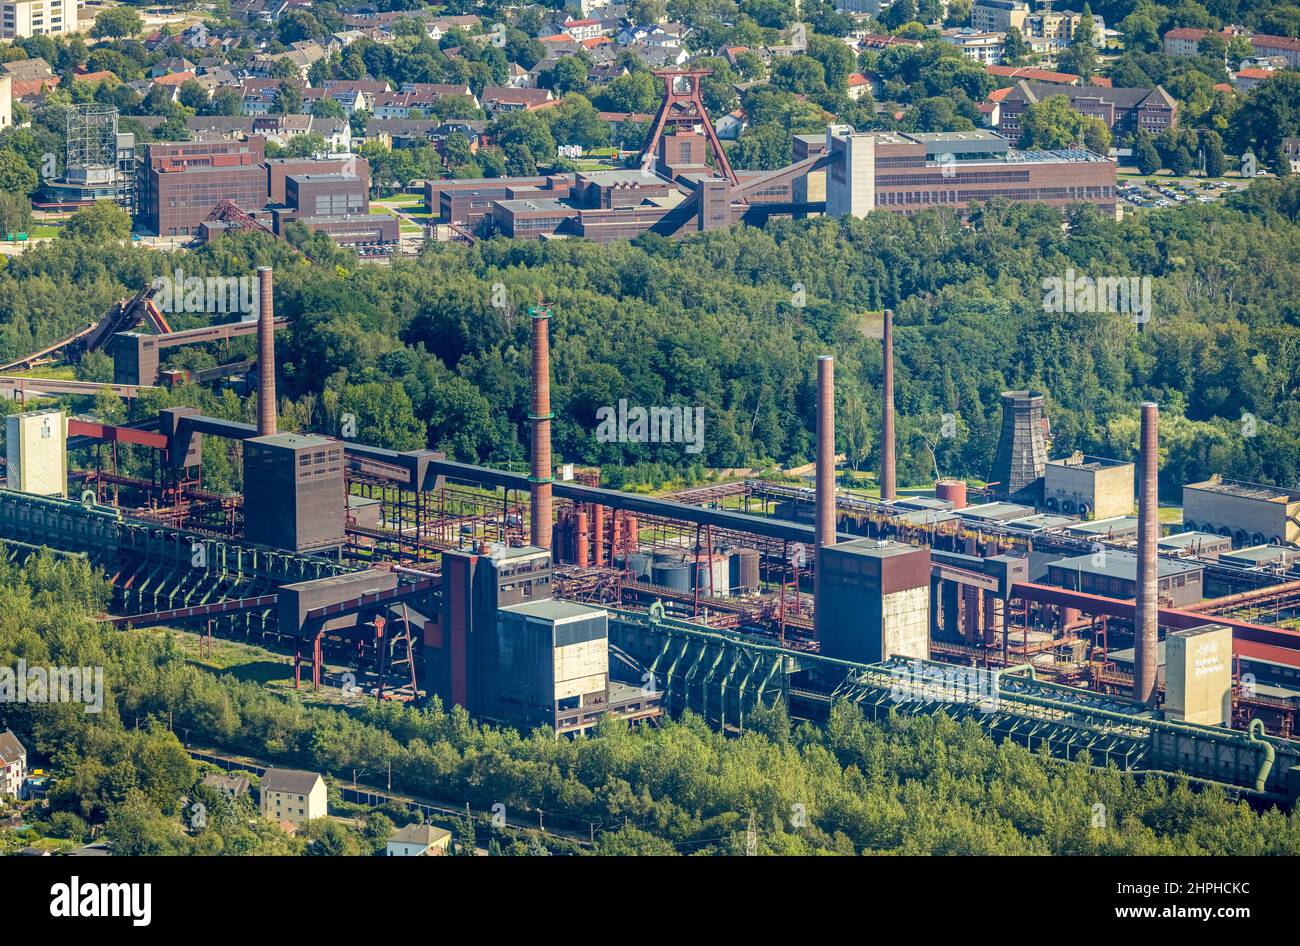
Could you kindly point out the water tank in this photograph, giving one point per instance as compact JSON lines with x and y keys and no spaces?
{"x":954,"y":491}
{"x":712,"y":573}
{"x":641,"y":565}
{"x":749,"y":574}
{"x":674,"y":575}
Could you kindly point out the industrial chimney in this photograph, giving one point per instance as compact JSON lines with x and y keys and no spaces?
{"x":540,"y":417}
{"x":1146,"y":632}
{"x":266,"y":421}
{"x":888,"y":485}
{"x":825,"y":533}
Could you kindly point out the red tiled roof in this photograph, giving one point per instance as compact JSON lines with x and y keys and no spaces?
{"x":174,"y":78}
{"x":1029,"y":72}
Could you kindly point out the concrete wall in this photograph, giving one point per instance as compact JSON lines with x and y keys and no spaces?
{"x":907,"y":623}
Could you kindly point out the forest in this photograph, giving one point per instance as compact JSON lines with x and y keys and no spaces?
{"x":908,"y":786}
{"x":434,"y":351}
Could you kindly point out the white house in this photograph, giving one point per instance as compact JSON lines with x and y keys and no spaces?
{"x":419,"y":840}
{"x":294,"y":796}
{"x":13,"y":765}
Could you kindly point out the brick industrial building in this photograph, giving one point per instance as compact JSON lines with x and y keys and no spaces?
{"x":841,"y":173}
{"x":907,"y":173}
{"x":181,"y":183}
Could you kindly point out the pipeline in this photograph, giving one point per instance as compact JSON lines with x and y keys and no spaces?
{"x":1256,"y":736}
{"x":1253,"y":737}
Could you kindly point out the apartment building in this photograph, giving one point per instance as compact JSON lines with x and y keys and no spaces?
{"x":294,"y":796}
{"x":21,"y":19}
{"x":998,"y":16}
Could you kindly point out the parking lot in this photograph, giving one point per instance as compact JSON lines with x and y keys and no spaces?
{"x":1167,"y":192}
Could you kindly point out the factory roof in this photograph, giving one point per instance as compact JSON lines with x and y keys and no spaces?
{"x":1186,"y":540}
{"x":323,"y":178}
{"x":1259,"y":555}
{"x":922,"y":502}
{"x":927,"y":517}
{"x":1122,"y":565}
{"x":1115,"y":524}
{"x":293,"y":441}
{"x":877,"y":548}
{"x":1039,"y":523}
{"x":1260,"y":491}
{"x":997,"y":511}
{"x":1078,"y":461}
{"x":553,"y":609}
{"x":532,"y":204}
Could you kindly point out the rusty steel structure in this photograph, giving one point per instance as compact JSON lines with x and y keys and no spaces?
{"x":683,"y":107}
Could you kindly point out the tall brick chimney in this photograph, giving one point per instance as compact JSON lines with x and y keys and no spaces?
{"x":888,"y":484}
{"x":540,"y":417}
{"x":1146,"y":631}
{"x":266,"y":419}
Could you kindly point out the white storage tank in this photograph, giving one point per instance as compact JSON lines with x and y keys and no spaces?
{"x":36,"y":450}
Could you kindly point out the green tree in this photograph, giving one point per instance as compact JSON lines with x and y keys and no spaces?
{"x":101,"y":222}
{"x":1145,"y":155}
{"x":383,"y":415}
{"x":1051,"y":124}
{"x":116,"y":23}
{"x":17,"y":177}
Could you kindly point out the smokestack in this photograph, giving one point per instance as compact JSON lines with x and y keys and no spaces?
{"x":825,"y":450}
{"x":540,"y":416}
{"x":888,"y":485}
{"x":266,"y":423}
{"x":1145,"y":628}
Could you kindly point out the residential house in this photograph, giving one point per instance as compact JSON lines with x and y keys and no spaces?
{"x":25,"y":70}
{"x":293,"y":795}
{"x":232,"y":786}
{"x":497,"y":98}
{"x":419,"y":840}
{"x":13,"y":765}
{"x":578,"y":30}
{"x":984,"y":48}
{"x":1185,"y":41}
{"x":731,"y":125}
